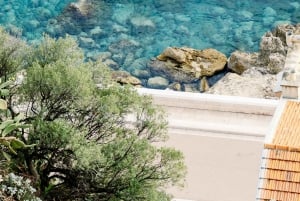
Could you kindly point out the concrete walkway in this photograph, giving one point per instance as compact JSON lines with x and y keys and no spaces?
{"x":222,"y":140}
{"x":292,"y":61}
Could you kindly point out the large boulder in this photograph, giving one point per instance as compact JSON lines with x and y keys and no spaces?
{"x":271,"y":44}
{"x":271,"y":56}
{"x":240,"y":61}
{"x":124,"y":77}
{"x":186,"y":64}
{"x":272,"y":53}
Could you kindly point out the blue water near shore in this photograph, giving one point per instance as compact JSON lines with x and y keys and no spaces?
{"x":132,"y":31}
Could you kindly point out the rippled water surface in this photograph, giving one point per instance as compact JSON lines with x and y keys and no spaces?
{"x":136,"y":30}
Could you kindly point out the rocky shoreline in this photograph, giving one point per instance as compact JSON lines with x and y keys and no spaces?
{"x":187,"y":69}
{"x":244,"y":74}
{"x":125,"y":35}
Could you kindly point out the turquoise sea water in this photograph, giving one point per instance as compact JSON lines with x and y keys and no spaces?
{"x":136,"y":30}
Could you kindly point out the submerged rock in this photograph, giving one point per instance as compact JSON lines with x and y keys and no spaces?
{"x":143,"y":74}
{"x":86,"y":42}
{"x":82,"y":7}
{"x":97,"y":32}
{"x":141,"y":24}
{"x":123,"y":46}
{"x":112,"y":64}
{"x":186,"y":64}
{"x":158,"y":82}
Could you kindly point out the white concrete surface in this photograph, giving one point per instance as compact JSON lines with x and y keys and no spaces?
{"x":215,"y":115}
{"x":222,"y":140}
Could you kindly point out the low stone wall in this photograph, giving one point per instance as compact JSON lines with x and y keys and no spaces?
{"x":216,"y":114}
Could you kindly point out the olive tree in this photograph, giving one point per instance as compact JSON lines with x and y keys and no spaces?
{"x":94,"y":140}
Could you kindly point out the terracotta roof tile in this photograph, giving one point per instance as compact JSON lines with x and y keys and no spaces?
{"x":287,"y":132}
{"x":278,"y":195}
{"x":283,"y":186}
{"x":283,"y":165}
{"x":280,"y":171}
{"x":283,"y":155}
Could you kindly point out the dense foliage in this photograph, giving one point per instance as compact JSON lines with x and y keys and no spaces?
{"x":84,"y":141}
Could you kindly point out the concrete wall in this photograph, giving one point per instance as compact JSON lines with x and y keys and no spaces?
{"x":222,"y":140}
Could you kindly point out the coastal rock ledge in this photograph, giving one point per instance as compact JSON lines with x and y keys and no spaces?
{"x":186,"y":65}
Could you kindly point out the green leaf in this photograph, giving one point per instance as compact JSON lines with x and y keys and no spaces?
{"x":6,"y":156}
{"x":12,"y":150}
{"x":17,"y":144}
{"x":3,"y":104}
{"x":6,"y":123}
{"x":8,"y":129}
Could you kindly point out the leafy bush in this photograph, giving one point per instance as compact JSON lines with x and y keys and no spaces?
{"x":94,"y":140}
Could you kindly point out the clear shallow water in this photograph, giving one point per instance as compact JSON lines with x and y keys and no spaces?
{"x":136,"y":30}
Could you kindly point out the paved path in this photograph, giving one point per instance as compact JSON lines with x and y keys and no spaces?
{"x":291,"y":71}
{"x":292,"y":60}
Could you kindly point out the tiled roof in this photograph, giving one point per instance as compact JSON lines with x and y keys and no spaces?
{"x":287,"y":133}
{"x":280,"y":171}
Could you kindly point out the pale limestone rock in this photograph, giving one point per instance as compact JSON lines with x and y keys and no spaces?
{"x":259,"y":86}
{"x":276,"y":63}
{"x":271,"y":44}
